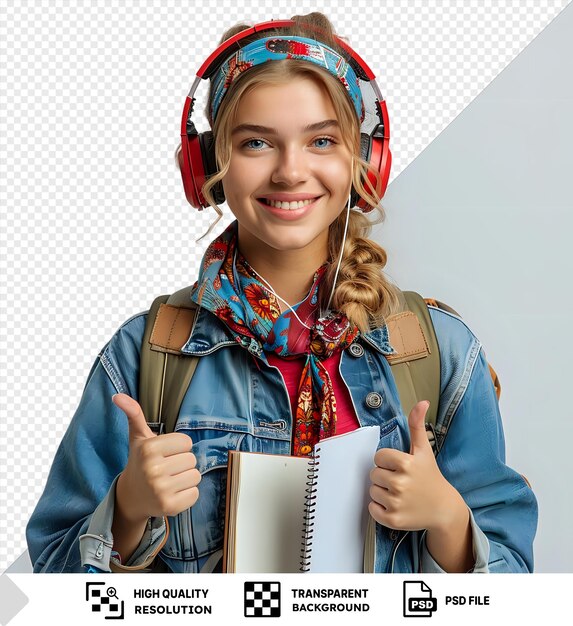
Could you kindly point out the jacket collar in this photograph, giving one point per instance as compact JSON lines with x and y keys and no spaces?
{"x":380,"y":340}
{"x":209,"y":333}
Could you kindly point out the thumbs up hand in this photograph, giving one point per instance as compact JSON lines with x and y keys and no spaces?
{"x":408,"y":490}
{"x":160,"y":477}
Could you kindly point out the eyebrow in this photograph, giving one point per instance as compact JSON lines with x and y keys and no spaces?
{"x":256,"y":128}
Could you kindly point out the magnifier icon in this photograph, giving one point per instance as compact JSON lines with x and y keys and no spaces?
{"x":112,"y":593}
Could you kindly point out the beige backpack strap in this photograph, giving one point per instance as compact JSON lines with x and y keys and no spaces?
{"x":165,"y":373}
{"x":492,"y":372}
{"x":416,"y":364}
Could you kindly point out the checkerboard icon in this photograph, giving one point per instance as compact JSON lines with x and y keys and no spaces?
{"x":262,"y":599}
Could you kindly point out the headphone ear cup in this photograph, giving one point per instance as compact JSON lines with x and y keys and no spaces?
{"x":365,"y":146}
{"x":207,"y":143}
{"x":376,"y":152}
{"x":186,"y":170}
{"x":385,"y":167}
{"x":365,"y":149}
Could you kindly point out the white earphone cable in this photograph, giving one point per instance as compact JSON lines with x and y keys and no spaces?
{"x":335,"y":275}
{"x":281,"y":299}
{"x":341,"y":253}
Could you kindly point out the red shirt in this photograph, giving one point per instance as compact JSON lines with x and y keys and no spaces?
{"x":291,"y":369}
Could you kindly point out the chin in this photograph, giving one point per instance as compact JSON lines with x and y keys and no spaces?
{"x":291,"y":243}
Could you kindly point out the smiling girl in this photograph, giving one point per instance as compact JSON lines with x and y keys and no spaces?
{"x":292,"y":341}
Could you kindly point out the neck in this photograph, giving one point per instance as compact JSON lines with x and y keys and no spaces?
{"x":289,"y":272}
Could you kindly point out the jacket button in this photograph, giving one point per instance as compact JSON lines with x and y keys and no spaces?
{"x":356,"y":349}
{"x":373,"y":400}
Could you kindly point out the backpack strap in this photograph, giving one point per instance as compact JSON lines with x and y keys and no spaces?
{"x":492,"y":372}
{"x":165,"y":373}
{"x":416,"y":364}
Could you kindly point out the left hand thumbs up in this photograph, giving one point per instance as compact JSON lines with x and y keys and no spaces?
{"x":416,"y":423}
{"x":408,"y":490}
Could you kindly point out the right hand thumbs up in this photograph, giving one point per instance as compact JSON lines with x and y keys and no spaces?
{"x":138,"y":428}
{"x":160,"y":477}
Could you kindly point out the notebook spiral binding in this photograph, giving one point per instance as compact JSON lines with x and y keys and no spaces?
{"x":309,"y":508}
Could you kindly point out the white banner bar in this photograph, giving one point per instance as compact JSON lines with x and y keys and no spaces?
{"x":325,"y":599}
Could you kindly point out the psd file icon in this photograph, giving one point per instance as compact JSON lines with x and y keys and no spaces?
{"x":418,"y":599}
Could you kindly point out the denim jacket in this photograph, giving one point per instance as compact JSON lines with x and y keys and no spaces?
{"x":238,"y":401}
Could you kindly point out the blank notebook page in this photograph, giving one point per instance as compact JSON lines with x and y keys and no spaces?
{"x":268,"y":532}
{"x":341,"y":505}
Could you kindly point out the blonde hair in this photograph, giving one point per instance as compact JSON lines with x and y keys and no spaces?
{"x":363,"y":293}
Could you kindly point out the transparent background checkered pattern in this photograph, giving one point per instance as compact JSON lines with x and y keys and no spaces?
{"x":94,"y":221}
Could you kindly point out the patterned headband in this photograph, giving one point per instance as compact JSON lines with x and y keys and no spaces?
{"x":286,"y":47}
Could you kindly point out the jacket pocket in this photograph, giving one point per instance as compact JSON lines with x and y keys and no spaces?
{"x":392,"y":433}
{"x":498,"y":566}
{"x":199,"y":530}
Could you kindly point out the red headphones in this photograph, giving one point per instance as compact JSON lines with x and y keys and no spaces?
{"x":197,"y":156}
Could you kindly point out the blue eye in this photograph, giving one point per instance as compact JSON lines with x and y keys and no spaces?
{"x":249,"y":144}
{"x":246,"y":144}
{"x":324,"y":139}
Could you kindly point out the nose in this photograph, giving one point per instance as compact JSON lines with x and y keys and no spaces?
{"x":291,"y":167}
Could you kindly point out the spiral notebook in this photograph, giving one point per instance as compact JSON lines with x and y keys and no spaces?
{"x":297,"y":514}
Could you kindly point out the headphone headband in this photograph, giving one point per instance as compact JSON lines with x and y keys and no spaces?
{"x":232,"y":44}
{"x":197,"y":156}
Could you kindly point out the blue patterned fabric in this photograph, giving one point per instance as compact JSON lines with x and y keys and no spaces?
{"x":286,"y":47}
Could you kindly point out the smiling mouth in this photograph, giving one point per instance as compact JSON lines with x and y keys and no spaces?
{"x":288,"y":206}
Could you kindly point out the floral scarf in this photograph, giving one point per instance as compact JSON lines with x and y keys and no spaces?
{"x":229,"y":288}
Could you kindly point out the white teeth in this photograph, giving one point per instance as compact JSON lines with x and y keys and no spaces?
{"x":289,"y":206}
